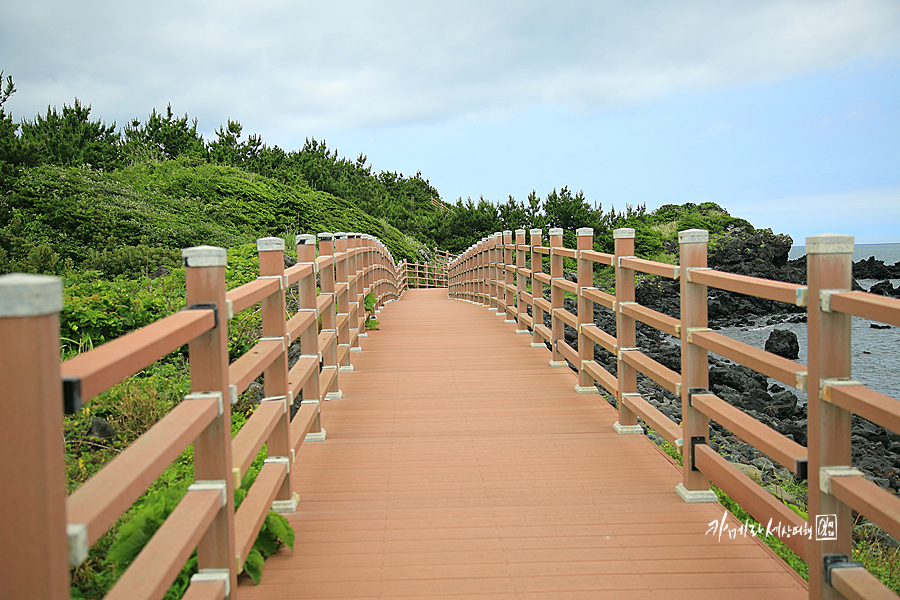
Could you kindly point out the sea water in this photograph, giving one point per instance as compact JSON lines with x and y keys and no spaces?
{"x":874,"y":352}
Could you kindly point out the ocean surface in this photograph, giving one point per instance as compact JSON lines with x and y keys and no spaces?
{"x":875,"y":353}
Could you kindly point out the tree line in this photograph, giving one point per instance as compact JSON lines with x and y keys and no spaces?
{"x":70,"y":137}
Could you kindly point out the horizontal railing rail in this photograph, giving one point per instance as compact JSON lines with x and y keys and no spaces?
{"x":508,"y":276}
{"x":44,"y":531}
{"x":416,"y":275}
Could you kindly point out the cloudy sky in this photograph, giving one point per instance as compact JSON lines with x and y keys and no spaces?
{"x":785,"y":112}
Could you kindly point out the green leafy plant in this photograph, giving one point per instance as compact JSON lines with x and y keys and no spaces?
{"x":149,"y":515}
{"x":275,"y":532}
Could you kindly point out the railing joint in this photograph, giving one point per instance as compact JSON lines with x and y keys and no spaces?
{"x":206,"y":396}
{"x":692,"y":330}
{"x":695,"y":390}
{"x":695,"y":440}
{"x":825,"y":299}
{"x":72,"y":399}
{"x":837,"y":561}
{"x":282,"y":399}
{"x":629,"y":349}
{"x":77,"y":534}
{"x":274,"y":338}
{"x":689,"y":270}
{"x":619,"y":260}
{"x":825,"y":386}
{"x":284,"y":460}
{"x":827,"y":473}
{"x":218,"y":485}
{"x":223,"y":575}
{"x":206,"y":306}
{"x":283,"y":279}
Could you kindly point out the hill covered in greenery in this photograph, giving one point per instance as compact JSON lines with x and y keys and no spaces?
{"x":78,"y":193}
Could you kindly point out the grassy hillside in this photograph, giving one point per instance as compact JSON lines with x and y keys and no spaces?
{"x":148,"y":212}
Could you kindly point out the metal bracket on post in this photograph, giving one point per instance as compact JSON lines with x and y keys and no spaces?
{"x":71,"y":395}
{"x":827,"y":473}
{"x":282,"y":399}
{"x":217,"y":485}
{"x":206,"y":306}
{"x":207,"y":395}
{"x":825,"y":299}
{"x":691,"y":393}
{"x":77,"y":534}
{"x":697,"y":439}
{"x":223,"y":575}
{"x":837,"y":561}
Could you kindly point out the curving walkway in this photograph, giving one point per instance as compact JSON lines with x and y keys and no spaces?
{"x":460,"y":465}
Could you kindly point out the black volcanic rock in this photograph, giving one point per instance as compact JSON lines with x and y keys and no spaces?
{"x":885,"y":288}
{"x":783,"y":343}
{"x":875,"y":269}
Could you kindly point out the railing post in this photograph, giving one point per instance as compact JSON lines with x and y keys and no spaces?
{"x":585,"y":311}
{"x":274,"y":326}
{"x":625,"y":334}
{"x":557,"y":299}
{"x":205,"y":285}
{"x":829,"y":267}
{"x":342,"y":278}
{"x":507,"y":275}
{"x":33,"y":548}
{"x":496,"y":253}
{"x":354,"y":267}
{"x":309,"y":338}
{"x":537,"y":288}
{"x":694,"y":364}
{"x":329,"y":321}
{"x":520,"y":281}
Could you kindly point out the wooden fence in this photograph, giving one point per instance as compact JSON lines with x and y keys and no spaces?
{"x":427,"y":274}
{"x":44,"y":532}
{"x":508,"y":276}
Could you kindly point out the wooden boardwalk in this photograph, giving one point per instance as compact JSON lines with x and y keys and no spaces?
{"x":460,"y":465}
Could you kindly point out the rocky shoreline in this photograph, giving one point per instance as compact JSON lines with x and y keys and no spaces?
{"x":875,"y":451}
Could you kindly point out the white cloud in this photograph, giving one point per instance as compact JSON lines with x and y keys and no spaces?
{"x":358,"y":63}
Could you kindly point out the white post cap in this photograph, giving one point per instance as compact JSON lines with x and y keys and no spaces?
{"x":623,"y":233}
{"x":536,"y":231}
{"x":829,"y":243}
{"x":556,"y":231}
{"x":693,"y":236}
{"x":520,"y":232}
{"x":340,"y":235}
{"x":304,"y":238}
{"x":267,"y":244}
{"x":326,"y":236}
{"x":204,"y":256}
{"x":584,"y":231}
{"x":26,"y":295}
{"x":507,"y":232}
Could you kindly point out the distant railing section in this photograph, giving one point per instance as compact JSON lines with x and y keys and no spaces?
{"x":427,"y":274}
{"x":508,"y":275}
{"x":44,"y":532}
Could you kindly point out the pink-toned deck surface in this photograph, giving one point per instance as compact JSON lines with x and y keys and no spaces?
{"x":459,"y":464}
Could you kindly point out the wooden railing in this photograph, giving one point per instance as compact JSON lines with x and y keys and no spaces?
{"x":44,"y":532}
{"x":507,"y":275}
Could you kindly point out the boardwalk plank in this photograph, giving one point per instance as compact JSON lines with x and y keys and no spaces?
{"x":459,"y":464}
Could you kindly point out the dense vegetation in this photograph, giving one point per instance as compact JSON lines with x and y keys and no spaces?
{"x":76,"y":192}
